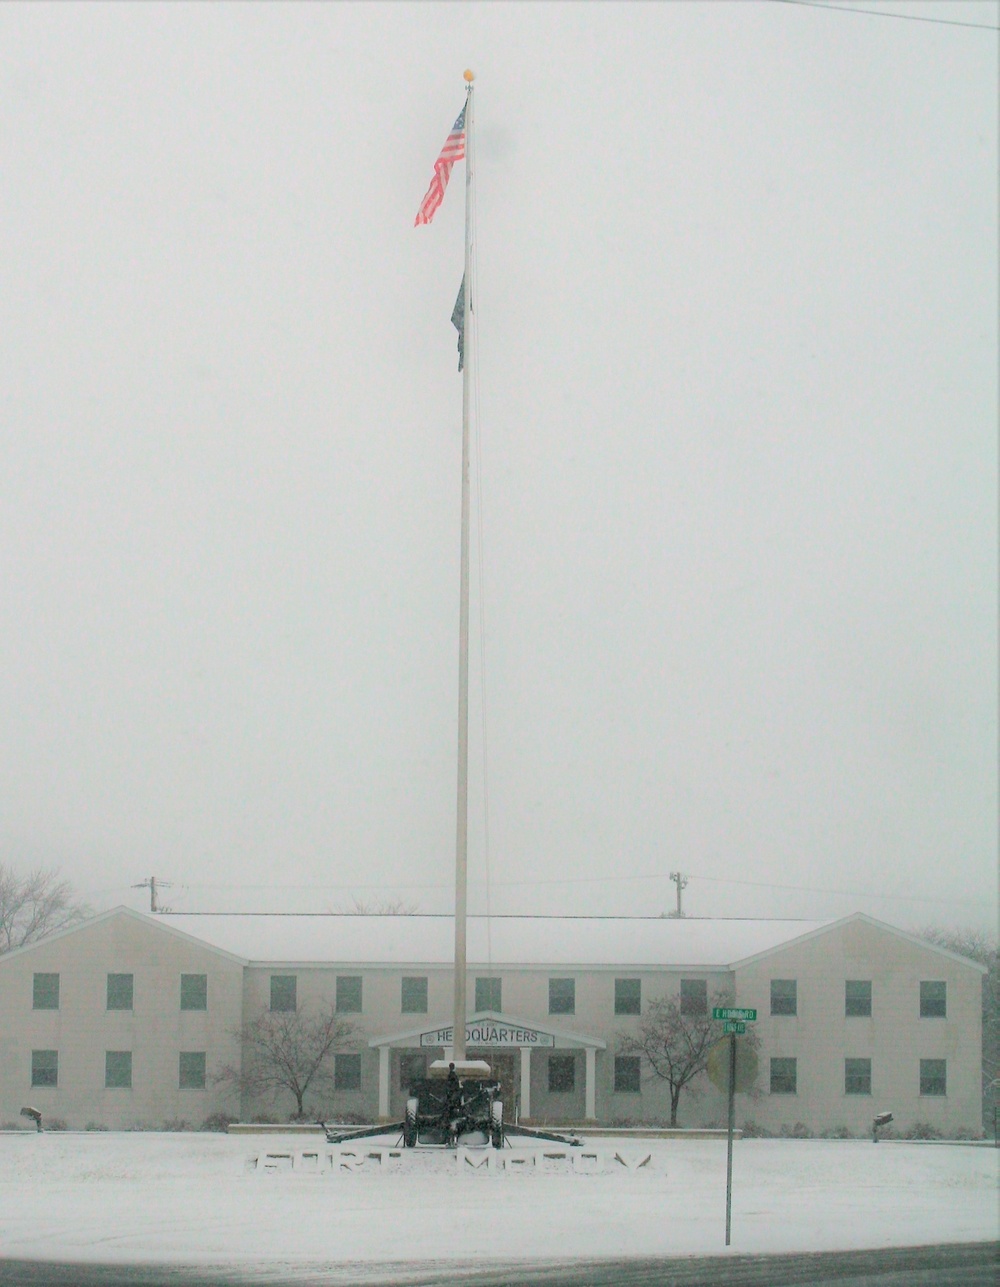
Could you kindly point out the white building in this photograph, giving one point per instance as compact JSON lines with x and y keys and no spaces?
{"x":123,"y":1020}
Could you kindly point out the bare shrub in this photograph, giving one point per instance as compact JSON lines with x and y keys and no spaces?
{"x":922,"y":1131}
{"x":968,"y":1133}
{"x":218,"y":1122}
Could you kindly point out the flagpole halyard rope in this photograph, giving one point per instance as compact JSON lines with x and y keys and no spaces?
{"x":480,"y":524}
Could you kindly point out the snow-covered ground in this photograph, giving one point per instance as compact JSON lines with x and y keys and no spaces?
{"x":192,"y":1198}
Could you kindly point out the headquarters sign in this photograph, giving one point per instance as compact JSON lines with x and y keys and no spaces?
{"x":489,"y":1032}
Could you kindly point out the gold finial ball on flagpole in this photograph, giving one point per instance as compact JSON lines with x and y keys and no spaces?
{"x":469,"y":76}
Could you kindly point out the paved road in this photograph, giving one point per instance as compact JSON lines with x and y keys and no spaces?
{"x":963,"y":1265}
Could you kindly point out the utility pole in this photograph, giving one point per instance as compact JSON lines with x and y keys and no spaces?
{"x":152,"y":884}
{"x":680,"y":880}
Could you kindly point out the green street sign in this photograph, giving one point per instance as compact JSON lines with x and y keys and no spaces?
{"x":732,"y":1012}
{"x":733,"y":1025}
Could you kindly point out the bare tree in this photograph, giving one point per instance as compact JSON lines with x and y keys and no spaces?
{"x":982,"y":947}
{"x":288,"y":1050}
{"x":35,"y":905}
{"x":380,"y":907}
{"x":676,"y":1045}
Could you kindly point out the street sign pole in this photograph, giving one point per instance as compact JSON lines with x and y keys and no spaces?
{"x":734,"y":1019}
{"x":732,"y":1123}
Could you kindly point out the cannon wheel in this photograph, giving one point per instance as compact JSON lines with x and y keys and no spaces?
{"x":410,"y":1125}
{"x":496,"y":1123}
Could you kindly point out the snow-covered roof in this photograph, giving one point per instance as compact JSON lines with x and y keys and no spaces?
{"x":504,"y":941}
{"x":907,"y":937}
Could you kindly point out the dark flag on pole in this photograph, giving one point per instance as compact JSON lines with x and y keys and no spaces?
{"x":458,"y":321}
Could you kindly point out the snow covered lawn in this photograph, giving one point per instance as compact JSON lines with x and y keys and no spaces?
{"x":138,"y":1197}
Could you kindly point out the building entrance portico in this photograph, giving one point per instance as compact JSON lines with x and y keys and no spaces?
{"x":505,"y":1042}
{"x":506,"y":1068}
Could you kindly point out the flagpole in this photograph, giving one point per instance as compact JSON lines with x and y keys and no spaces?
{"x":462,"y":823}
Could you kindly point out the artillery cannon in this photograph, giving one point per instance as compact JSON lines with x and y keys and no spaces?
{"x":455,"y":1110}
{"x":451,"y":1111}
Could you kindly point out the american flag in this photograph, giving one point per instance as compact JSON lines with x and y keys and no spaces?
{"x":453,"y":150}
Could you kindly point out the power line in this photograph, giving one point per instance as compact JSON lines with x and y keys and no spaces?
{"x":497,"y":916}
{"x":596,"y":880}
{"x":884,"y":13}
{"x":758,"y":884}
{"x":844,"y":893}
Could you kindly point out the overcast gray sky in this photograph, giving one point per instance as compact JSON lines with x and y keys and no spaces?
{"x":737,"y":317}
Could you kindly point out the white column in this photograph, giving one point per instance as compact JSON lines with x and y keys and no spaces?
{"x":590,"y":1084}
{"x":383,"y":1080}
{"x":525,"y":1081}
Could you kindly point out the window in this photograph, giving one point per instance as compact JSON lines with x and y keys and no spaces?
{"x":347,"y":1072}
{"x":562,"y":996}
{"x":192,"y":1070}
{"x":933,"y":1076}
{"x":45,"y":1066}
{"x":626,"y":1074}
{"x":784,"y":996}
{"x":194,"y":991}
{"x":858,"y":999}
{"x":349,"y":994}
{"x":628,"y":996}
{"x":118,"y":1069}
{"x":414,"y":996}
{"x":694,"y":996}
{"x":857,"y":1076}
{"x":562,"y":1074}
{"x":933,"y":999}
{"x":45,"y":992}
{"x":784,"y":1076}
{"x":283,"y":990}
{"x":488,"y":995}
{"x":119,"y":991}
{"x":412,"y":1067}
